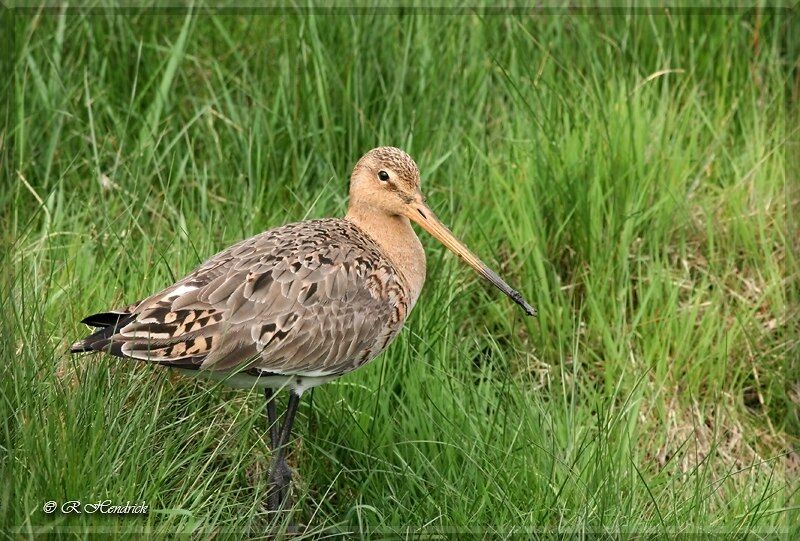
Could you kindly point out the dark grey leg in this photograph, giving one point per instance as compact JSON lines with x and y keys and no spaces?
{"x":272,"y":418}
{"x":280,"y":476}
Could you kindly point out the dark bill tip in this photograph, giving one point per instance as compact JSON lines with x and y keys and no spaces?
{"x":512,"y":294}
{"x":517,"y":298}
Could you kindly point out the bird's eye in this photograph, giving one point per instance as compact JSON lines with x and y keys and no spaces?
{"x":383,"y":175}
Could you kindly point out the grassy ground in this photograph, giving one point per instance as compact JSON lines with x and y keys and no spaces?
{"x":627,"y":170}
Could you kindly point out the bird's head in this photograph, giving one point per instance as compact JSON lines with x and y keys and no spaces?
{"x":386,"y":180}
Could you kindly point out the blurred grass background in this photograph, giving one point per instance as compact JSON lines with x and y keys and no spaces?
{"x":626,"y":169}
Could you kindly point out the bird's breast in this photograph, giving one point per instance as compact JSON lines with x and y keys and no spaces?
{"x":398,"y":242}
{"x":413,"y":268}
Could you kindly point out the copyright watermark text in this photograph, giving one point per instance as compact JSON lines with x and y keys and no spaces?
{"x":102,"y":507}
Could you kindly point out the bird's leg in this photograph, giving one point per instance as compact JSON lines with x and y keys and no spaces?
{"x":280,"y":476}
{"x":274,"y":433}
{"x":272,"y":418}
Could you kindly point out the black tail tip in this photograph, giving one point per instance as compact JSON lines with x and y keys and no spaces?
{"x":105,"y":319}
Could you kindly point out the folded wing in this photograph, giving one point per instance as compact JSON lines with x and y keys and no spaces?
{"x":313,"y":298}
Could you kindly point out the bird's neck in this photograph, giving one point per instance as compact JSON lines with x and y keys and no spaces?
{"x":398,"y":241}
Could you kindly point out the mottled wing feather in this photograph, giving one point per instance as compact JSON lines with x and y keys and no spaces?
{"x":312,"y":298}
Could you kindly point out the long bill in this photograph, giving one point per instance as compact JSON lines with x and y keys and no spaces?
{"x":420,"y":213}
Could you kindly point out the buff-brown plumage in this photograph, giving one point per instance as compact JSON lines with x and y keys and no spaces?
{"x":299,"y":304}
{"x":310,"y":298}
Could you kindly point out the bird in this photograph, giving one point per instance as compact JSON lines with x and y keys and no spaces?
{"x":298,"y":305}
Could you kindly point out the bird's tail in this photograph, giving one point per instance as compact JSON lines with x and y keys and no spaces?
{"x":107,"y":324}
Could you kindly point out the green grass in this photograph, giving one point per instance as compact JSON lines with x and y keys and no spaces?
{"x":626,"y":170}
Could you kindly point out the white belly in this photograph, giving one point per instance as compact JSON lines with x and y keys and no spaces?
{"x":297,"y":383}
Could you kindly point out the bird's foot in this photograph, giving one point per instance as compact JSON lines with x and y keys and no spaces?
{"x":279,"y":480}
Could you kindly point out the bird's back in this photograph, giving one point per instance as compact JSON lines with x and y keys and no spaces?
{"x":316,"y":298}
